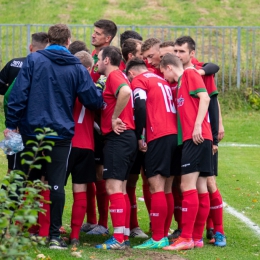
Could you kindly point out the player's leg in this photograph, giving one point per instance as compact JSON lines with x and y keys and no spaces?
{"x":135,"y":230}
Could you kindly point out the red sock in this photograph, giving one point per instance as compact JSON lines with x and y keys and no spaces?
{"x":44,"y":219}
{"x":133,"y":216}
{"x":118,"y":215}
{"x":202,"y":215}
{"x":78,"y":213}
{"x":190,"y":206}
{"x":102,"y":203}
{"x":216,"y":211}
{"x":177,"y":207}
{"x":209,"y":223}
{"x":147,"y":197}
{"x":158,"y":214}
{"x":91,"y":203}
{"x":127,"y":217}
{"x":170,"y":207}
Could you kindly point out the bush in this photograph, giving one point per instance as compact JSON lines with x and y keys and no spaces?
{"x":20,"y":203}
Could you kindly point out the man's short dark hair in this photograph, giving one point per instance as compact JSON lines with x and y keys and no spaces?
{"x":40,"y":37}
{"x":109,"y":27}
{"x":113,"y":53}
{"x":129,"y":46}
{"x":167,"y":44}
{"x":129,"y":34}
{"x":135,"y":63}
{"x":59,"y":34}
{"x":77,"y":46}
{"x":149,"y":43}
{"x":186,"y":39}
{"x":170,"y":59}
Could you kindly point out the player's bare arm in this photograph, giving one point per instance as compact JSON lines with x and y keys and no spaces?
{"x":123,"y":97}
{"x":202,"y":111}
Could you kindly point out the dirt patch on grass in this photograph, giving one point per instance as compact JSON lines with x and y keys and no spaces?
{"x":148,"y":255}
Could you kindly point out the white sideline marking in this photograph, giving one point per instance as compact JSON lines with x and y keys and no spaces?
{"x":238,"y":145}
{"x":242,"y":218}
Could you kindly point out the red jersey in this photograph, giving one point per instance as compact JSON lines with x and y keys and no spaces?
{"x":122,"y":66}
{"x":209,"y":83}
{"x":194,"y":61}
{"x":189,"y":85}
{"x":115,"y":81}
{"x":161,"y":117}
{"x":84,"y":126}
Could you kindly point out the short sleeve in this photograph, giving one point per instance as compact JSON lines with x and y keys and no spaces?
{"x":195,"y":82}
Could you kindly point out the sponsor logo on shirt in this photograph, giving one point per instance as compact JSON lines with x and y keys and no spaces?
{"x":217,"y":207}
{"x":185,"y":165}
{"x":116,"y":210}
{"x":16,"y":63}
{"x":180,"y":101}
{"x":154,"y":214}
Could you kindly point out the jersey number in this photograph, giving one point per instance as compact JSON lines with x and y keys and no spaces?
{"x":167,"y":96}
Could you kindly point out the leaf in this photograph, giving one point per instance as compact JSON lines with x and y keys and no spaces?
{"x":45,"y":147}
{"x":74,"y":248}
{"x":36,"y":166}
{"x":39,"y":130}
{"x":76,"y":254}
{"x":23,"y":161}
{"x":31,"y":142}
{"x":40,"y":256}
{"x":40,"y":136}
{"x":254,"y":200}
{"x":237,"y":189}
{"x":28,"y":153}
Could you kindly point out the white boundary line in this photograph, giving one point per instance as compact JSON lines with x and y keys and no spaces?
{"x":238,"y":145}
{"x":242,"y":218}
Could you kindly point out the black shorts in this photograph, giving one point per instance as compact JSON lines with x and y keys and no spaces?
{"x":138,"y":163}
{"x":11,"y":161}
{"x":119,"y":155}
{"x":162,"y":157}
{"x":81,"y":165}
{"x":55,"y":171}
{"x":215,"y":164}
{"x":197,"y":158}
{"x":99,"y":146}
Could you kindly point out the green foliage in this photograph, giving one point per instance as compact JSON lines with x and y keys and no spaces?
{"x":253,"y":96}
{"x":20,"y":203}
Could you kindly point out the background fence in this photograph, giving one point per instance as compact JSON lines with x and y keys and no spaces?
{"x":235,"y":49}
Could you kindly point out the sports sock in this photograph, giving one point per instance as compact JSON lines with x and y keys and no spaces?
{"x":209,"y":224}
{"x":91,"y":203}
{"x":202,"y":215}
{"x":158,"y":214}
{"x":44,"y":219}
{"x":216,"y":211}
{"x":78,"y":213}
{"x":190,"y":206}
{"x":102,"y":202}
{"x":170,"y":207}
{"x":177,"y":207}
{"x":118,"y":215}
{"x":147,"y":197}
{"x":127,"y":217}
{"x":133,"y":216}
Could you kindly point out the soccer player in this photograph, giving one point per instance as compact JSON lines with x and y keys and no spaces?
{"x":51,"y":76}
{"x":129,"y":34}
{"x":196,"y":163}
{"x":117,"y":126}
{"x":11,"y":70}
{"x":204,"y":69}
{"x":131,"y":48}
{"x":81,"y":162}
{"x":104,"y":32}
{"x":216,"y":204}
{"x":156,"y":113}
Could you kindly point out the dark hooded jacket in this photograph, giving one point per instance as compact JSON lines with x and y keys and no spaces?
{"x":45,"y":92}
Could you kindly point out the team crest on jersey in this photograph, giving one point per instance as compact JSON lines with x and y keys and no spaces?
{"x":95,"y":68}
{"x":180,"y":101}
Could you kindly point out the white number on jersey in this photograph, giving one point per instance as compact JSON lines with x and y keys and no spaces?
{"x":168,"y":99}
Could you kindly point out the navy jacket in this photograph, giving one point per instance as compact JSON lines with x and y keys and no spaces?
{"x":45,"y":91}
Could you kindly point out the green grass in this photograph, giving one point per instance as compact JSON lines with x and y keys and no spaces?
{"x":135,"y":12}
{"x":238,"y":181}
